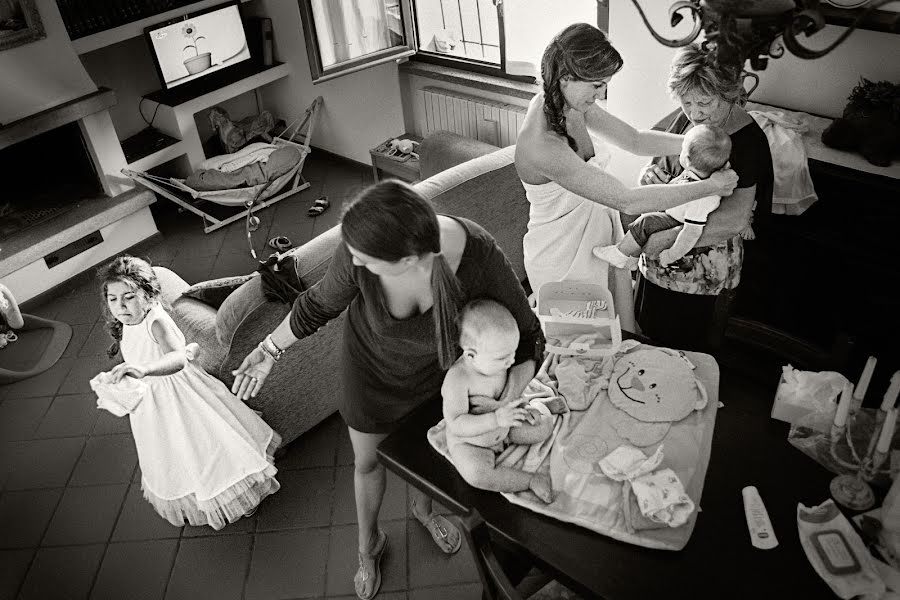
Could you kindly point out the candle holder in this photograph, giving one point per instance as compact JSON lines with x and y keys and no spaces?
{"x":852,"y":489}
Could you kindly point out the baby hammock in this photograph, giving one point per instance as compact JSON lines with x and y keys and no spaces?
{"x":252,"y":198}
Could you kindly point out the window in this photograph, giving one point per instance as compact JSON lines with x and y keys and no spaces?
{"x":343,"y":36}
{"x":502,"y":36}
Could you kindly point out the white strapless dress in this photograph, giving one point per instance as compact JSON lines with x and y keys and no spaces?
{"x":563,"y":228}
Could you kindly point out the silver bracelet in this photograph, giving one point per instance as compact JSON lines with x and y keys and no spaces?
{"x":271,"y":348}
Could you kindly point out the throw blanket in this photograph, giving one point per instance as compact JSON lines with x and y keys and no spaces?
{"x":586,"y":434}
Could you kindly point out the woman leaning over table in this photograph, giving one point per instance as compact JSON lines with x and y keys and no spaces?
{"x":402,"y":272}
{"x":687,"y":304}
{"x":574,"y":202}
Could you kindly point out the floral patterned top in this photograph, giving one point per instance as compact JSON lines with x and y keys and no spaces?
{"x":708,"y":270}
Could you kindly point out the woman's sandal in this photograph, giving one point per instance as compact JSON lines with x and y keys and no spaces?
{"x":319,"y":206}
{"x":441,"y":529}
{"x":363,"y":575}
{"x":280,"y":243}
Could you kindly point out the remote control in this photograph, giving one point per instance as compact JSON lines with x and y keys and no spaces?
{"x":761,"y":534}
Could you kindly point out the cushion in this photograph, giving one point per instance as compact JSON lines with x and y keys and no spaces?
{"x":238,"y":305}
{"x":214,"y":292}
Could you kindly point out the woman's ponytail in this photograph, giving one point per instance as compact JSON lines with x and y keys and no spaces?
{"x":114,"y":329}
{"x":448,"y":297}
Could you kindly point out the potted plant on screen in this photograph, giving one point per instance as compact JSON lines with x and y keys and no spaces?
{"x":198,"y":62}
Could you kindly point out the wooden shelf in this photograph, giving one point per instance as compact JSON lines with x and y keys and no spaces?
{"x":879,"y":20}
{"x":101,"y":39}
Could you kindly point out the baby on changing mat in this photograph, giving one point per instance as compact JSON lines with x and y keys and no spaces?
{"x":479,"y":426}
{"x":705,"y":150}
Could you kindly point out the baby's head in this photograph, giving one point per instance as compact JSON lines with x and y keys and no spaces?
{"x":705,"y":149}
{"x":489,"y":336}
{"x":129,"y":287}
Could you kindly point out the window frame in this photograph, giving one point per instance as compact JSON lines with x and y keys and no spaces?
{"x":320,"y":74}
{"x":470,"y":64}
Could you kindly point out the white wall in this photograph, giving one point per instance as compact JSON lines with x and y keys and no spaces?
{"x":361,"y":109}
{"x":41,"y":74}
{"x":638,"y":93}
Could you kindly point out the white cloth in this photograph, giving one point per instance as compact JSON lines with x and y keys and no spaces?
{"x":661,"y":497}
{"x":793,"y":190}
{"x":119,"y":398}
{"x":627,"y":462}
{"x":695,"y":211}
{"x":198,"y":445}
{"x":563,"y":228}
{"x":253,"y":153}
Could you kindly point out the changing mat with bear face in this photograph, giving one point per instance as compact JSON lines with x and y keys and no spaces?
{"x":643,"y":397}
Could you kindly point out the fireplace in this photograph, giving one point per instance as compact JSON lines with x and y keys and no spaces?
{"x":50,"y":174}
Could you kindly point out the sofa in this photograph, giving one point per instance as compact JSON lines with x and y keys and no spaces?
{"x":462,"y":177}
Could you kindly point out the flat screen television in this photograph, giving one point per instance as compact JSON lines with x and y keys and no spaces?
{"x":195,"y":45}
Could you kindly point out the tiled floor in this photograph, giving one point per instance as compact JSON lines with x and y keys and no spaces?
{"x":73,"y":523}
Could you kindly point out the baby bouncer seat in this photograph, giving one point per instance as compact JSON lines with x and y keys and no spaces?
{"x":217,"y":206}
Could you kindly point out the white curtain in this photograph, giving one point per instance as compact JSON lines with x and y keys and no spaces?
{"x":531,"y":24}
{"x":348,"y":29}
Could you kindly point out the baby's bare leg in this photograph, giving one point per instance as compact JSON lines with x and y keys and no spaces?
{"x":532,"y":433}
{"x":478,"y":467}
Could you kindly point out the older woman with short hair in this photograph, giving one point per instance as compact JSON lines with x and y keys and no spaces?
{"x":686,"y":304}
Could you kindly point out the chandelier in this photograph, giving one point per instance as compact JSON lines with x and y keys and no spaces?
{"x":741,"y":30}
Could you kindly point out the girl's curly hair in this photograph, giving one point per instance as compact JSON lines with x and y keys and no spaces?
{"x":582,"y":52}
{"x":138,"y":275}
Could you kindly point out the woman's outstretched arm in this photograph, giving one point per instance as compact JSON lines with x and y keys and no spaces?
{"x":550,"y":156}
{"x":642,"y":142}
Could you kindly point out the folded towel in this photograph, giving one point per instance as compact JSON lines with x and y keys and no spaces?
{"x":627,"y":462}
{"x":118,"y":398}
{"x":661,"y":498}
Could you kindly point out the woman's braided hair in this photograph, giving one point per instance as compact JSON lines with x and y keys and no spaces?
{"x":582,"y":52}
{"x":135,"y":273}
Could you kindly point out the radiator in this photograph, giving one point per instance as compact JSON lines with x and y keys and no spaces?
{"x":478,"y":118}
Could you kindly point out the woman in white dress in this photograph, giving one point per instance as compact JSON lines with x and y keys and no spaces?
{"x":574,"y":202}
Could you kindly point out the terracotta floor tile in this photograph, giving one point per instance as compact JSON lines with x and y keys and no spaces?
{"x":210,"y":567}
{"x":119,"y":578}
{"x":106,"y":459}
{"x":85,"y":515}
{"x":20,"y":417}
{"x":62,"y":573}
{"x":69,"y":415}
{"x":24,"y":516}
{"x":288,"y":564}
{"x":41,"y":463}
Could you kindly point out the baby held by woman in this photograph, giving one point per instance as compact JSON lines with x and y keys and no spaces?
{"x":704,"y":151}
{"x":479,"y":426}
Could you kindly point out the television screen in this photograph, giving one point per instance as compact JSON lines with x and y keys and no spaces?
{"x":198,"y":44}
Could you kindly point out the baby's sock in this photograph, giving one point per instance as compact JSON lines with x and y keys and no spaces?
{"x":615,"y":257}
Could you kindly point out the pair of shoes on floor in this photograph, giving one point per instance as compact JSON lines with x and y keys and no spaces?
{"x":368,"y":577}
{"x":444,"y":533}
{"x":280,"y":243}
{"x":319,"y":206}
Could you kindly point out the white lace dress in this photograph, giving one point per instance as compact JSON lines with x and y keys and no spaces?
{"x":563,"y":228}
{"x":205,"y":456}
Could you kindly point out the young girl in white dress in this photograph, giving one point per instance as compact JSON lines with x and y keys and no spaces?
{"x":206,"y":458}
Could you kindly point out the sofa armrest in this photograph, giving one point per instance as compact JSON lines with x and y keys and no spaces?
{"x":443,"y":149}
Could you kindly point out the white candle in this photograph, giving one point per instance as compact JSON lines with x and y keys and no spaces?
{"x":890,"y":396}
{"x":859,"y":392}
{"x":887,"y":432}
{"x":843,"y":408}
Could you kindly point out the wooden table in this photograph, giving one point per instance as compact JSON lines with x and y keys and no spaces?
{"x":749,"y":448}
{"x":407,"y":170}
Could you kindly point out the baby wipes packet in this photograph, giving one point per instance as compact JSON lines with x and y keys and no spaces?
{"x":801,"y":392}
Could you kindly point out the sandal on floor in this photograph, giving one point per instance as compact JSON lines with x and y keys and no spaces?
{"x":319,"y":206}
{"x":363,"y":576}
{"x":280,"y":243}
{"x":441,"y":529}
